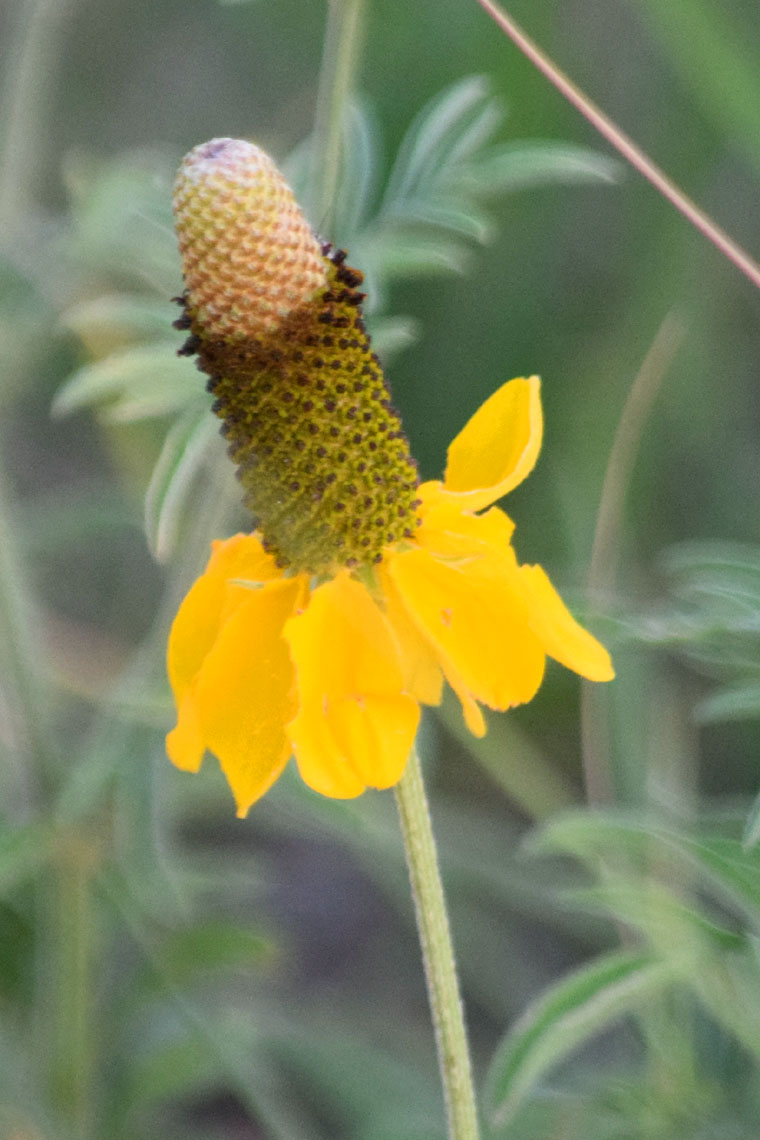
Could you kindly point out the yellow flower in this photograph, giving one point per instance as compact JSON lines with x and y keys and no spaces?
{"x":320,"y":634}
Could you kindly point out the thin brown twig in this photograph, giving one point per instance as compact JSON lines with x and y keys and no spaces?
{"x":624,"y":145}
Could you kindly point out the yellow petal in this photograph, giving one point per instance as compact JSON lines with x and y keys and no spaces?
{"x":498,"y":447}
{"x":471,"y":711}
{"x":197,"y":623}
{"x":475,"y":619}
{"x":185,"y":744}
{"x":449,"y":532}
{"x":422,"y":674}
{"x":354,"y":726}
{"x":244,"y":695}
{"x":560,"y":634}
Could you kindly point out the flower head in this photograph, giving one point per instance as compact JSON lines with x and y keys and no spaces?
{"x":359,"y":592}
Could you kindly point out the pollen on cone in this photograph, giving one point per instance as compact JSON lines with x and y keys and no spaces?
{"x":248,"y":255}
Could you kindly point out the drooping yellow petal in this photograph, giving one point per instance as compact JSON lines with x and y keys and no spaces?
{"x":185,"y":745}
{"x":474,"y":617}
{"x":244,"y":695}
{"x":471,"y":710}
{"x":422,"y":674}
{"x":560,"y":634}
{"x":355,"y":725}
{"x":197,"y":623}
{"x":498,"y":447}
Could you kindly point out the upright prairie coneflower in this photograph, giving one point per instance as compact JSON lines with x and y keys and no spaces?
{"x":359,"y":590}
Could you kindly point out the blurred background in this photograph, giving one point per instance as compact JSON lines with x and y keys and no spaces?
{"x":166,"y":969}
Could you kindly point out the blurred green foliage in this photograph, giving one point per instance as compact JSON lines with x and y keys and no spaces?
{"x":166,"y":969}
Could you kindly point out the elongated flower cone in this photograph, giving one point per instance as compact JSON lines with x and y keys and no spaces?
{"x":276,"y":321}
{"x":359,"y":591}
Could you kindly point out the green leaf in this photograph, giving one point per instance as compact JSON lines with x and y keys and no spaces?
{"x":447,"y":129}
{"x":186,"y":448}
{"x":567,"y":1015}
{"x":140,"y":383}
{"x":519,"y":165}
{"x":119,"y":319}
{"x":605,"y":841}
{"x":733,"y":702}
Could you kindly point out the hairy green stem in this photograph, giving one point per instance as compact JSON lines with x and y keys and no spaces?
{"x":437,"y":953}
{"x":339,"y":60}
{"x":624,"y":145}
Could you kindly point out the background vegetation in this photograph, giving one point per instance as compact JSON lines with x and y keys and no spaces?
{"x":168,"y":970}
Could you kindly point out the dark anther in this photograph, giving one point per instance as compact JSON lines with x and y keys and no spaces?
{"x":329,"y":405}
{"x":183,"y":322}
{"x":328,"y":341}
{"x":334,"y":432}
{"x":340,"y":388}
{"x":355,"y":298}
{"x":180,"y":300}
{"x":307,"y":406}
{"x":350,"y":277}
{"x":287,"y":397}
{"x":326,"y":246}
{"x":299,"y":445}
{"x":339,"y":506}
{"x":321,"y":452}
{"x":336,"y":365}
{"x":326,"y":319}
{"x":356,"y":439}
{"x":343,"y":343}
{"x":294,"y":486}
{"x":329,"y":479}
{"x":341,"y":457}
{"x":339,"y":256}
{"x":318,"y":362}
{"x":190,"y":346}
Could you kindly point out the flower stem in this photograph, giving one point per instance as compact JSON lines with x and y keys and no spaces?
{"x":624,"y":145}
{"x":341,"y":51}
{"x":437,"y":953}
